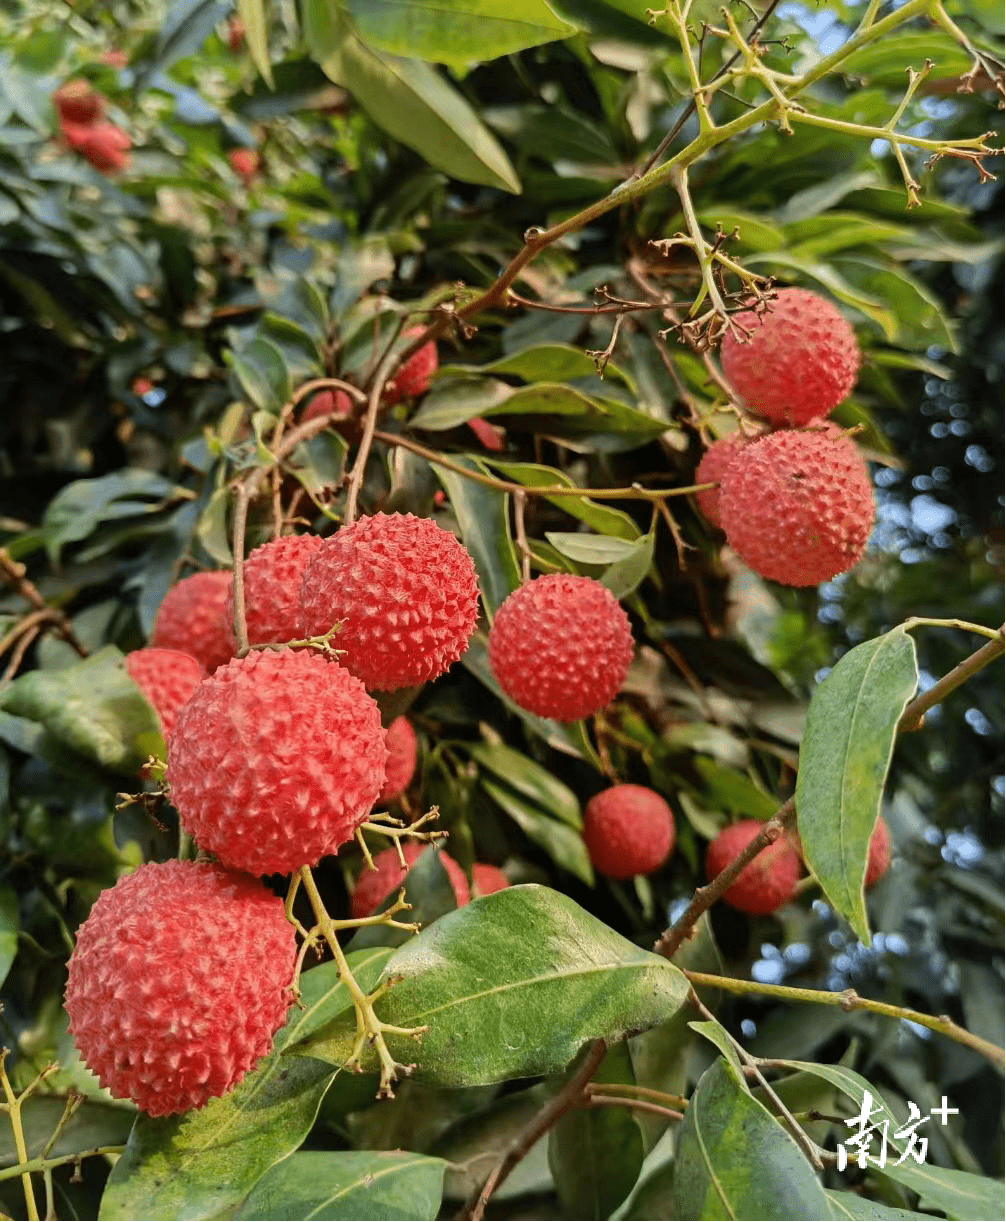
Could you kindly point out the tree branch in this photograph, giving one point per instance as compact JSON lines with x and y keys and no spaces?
{"x":914,"y":715}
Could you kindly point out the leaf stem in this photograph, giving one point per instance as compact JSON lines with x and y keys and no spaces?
{"x":47,"y":1164}
{"x":914,"y":715}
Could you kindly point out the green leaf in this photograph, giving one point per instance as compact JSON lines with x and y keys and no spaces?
{"x":414,"y":104}
{"x":595,"y":1153}
{"x":885,"y":60}
{"x":590,"y":549}
{"x":529,"y":778}
{"x":733,"y":1160}
{"x":263,"y":374}
{"x":544,"y":363}
{"x":602,"y":518}
{"x":427,"y":888}
{"x":756,"y":232}
{"x":252,"y":13}
{"x":203,"y":1164}
{"x":851,"y":1205}
{"x":358,"y":266}
{"x":93,"y":707}
{"x":846,"y":752}
{"x":555,"y":408}
{"x":483,"y":516}
{"x":10,"y":923}
{"x":728,"y":790}
{"x":371,"y":1184}
{"x":564,"y":845}
{"x":76,"y":510}
{"x":320,"y":462}
{"x":920,"y":317}
{"x":512,"y":986}
{"x":958,"y":1194}
{"x":454,"y":401}
{"x":625,"y":575}
{"x":211,"y":529}
{"x":457,"y":32}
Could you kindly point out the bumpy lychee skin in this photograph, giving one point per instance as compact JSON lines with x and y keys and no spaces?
{"x":272,"y":576}
{"x":401,"y":765}
{"x":179,"y":980}
{"x":276,"y":760}
{"x":387,"y":876}
{"x":628,"y":830}
{"x":801,"y":360}
{"x":413,"y":379}
{"x":797,"y":505}
{"x":561,"y":646}
{"x":488,"y":879}
{"x":879,"y":860}
{"x":404,"y":592}
{"x":191,"y":619}
{"x":716,"y":461}
{"x":768,"y":882}
{"x":167,"y":678}
{"x":325,"y":402}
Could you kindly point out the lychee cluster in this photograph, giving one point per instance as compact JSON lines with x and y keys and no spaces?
{"x":81,"y":113}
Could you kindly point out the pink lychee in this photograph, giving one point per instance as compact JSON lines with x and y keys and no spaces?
{"x":628,"y":830}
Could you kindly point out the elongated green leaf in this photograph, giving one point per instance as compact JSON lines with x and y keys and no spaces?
{"x":625,"y":575}
{"x":358,"y":1184}
{"x":564,"y":845}
{"x":263,"y":374}
{"x":512,"y":986}
{"x":886,"y":60}
{"x":844,"y":758}
{"x":851,"y":1205}
{"x":454,"y":401}
{"x":483,"y":515}
{"x":602,"y":518}
{"x":531,"y":779}
{"x":252,"y":13}
{"x":958,"y":1194}
{"x":545,"y":363}
{"x":75,"y":511}
{"x":320,"y":462}
{"x":921,"y":320}
{"x":457,"y":32}
{"x":734,"y":1160}
{"x":10,"y":923}
{"x":93,"y":707}
{"x":556,"y":408}
{"x":203,"y":1164}
{"x":414,"y":104}
{"x":730,"y":790}
{"x":825,"y":273}
{"x":590,"y":549}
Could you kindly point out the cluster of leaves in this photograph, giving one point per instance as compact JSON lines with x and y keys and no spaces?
{"x":390,"y":188}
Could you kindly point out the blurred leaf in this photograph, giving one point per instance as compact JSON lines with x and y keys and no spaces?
{"x":590,"y":549}
{"x":532,"y":780}
{"x":185,"y":28}
{"x":921,"y":320}
{"x":626,"y":575}
{"x":359,"y":265}
{"x":852,"y":1205}
{"x":544,"y":363}
{"x":79,"y":508}
{"x":348,"y":1184}
{"x":10,"y":923}
{"x":729,"y":790}
{"x":320,"y":462}
{"x":512,"y":986}
{"x":602,"y":518}
{"x":211,"y":529}
{"x":885,"y":61}
{"x":844,"y":758}
{"x":263,"y":374}
{"x":564,"y":845}
{"x":959,"y":1194}
{"x":428,"y":889}
{"x":560,"y":409}
{"x":454,"y":401}
{"x":252,"y":13}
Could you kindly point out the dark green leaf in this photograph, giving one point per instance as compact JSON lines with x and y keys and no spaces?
{"x":844,"y":758}
{"x":560,"y":409}
{"x":532,"y":780}
{"x":263,"y":374}
{"x":319,"y":463}
{"x":544,"y":363}
{"x":728,"y":790}
{"x":564,"y":845}
{"x":851,"y":1205}
{"x":625,"y":575}
{"x":958,"y":1194}
{"x":454,"y":401}
{"x":10,"y":923}
{"x":602,"y":518}
{"x":76,"y":510}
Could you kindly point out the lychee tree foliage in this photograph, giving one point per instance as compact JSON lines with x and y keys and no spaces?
{"x":577,"y":212}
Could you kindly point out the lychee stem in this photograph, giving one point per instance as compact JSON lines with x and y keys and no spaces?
{"x":13,"y":1109}
{"x":369,"y":1028}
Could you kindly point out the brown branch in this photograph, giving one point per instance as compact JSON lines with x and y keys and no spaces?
{"x":615,"y":307}
{"x":639,"y":1105}
{"x":913,"y":718}
{"x":553,"y":1111}
{"x":17,"y":657}
{"x":15,"y":572}
{"x":384,"y":369}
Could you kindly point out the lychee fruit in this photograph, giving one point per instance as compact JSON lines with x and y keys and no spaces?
{"x":373,"y":885}
{"x":488,"y":879}
{"x":235,"y":34}
{"x":191,"y":619}
{"x":167,"y":678}
{"x":272,"y":575}
{"x":797,"y":506}
{"x":276,"y":760}
{"x":880,"y":853}
{"x":325,"y":402}
{"x":800,"y":361}
{"x":104,"y":145}
{"x":413,"y":379}
{"x":561,"y":646}
{"x":628,"y":830}
{"x":404,"y":593}
{"x":766,"y":883}
{"x":491,"y":435}
{"x":179,"y":980}
{"x":245,"y":163}
{"x":401,"y":763}
{"x":716,"y":461}
{"x":79,"y":104}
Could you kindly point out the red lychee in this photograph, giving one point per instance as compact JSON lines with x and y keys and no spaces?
{"x":797,"y":506}
{"x":167,"y":678}
{"x":491,"y":435}
{"x":768,"y":882}
{"x":801,"y":359}
{"x":561,"y":646}
{"x":276,"y":760}
{"x":401,"y":759}
{"x":413,"y":379}
{"x":235,"y":34}
{"x":78,"y":104}
{"x":488,"y":879}
{"x":880,"y":853}
{"x":179,"y":980}
{"x":115,"y":58}
{"x":716,"y":461}
{"x":104,"y":145}
{"x":327,"y":401}
{"x":628,"y":830}
{"x":404,"y":592}
{"x":191,"y":619}
{"x":373,"y":885}
{"x":272,"y":575}
{"x":245,"y":163}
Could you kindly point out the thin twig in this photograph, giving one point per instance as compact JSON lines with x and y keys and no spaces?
{"x":367,"y":440}
{"x":639,"y":1105}
{"x":15,"y":572}
{"x":914,"y":715}
{"x":519,"y":501}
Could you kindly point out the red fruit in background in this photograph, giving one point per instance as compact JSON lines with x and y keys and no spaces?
{"x":491,"y":435}
{"x":801,"y":360}
{"x":879,"y":860}
{"x":373,"y":885}
{"x":272,"y":576}
{"x":276,"y":760}
{"x":245,"y":163}
{"x":115,"y":58}
{"x":413,"y":379}
{"x":715,"y":463}
{"x":179,"y":980}
{"x":768,"y":882}
{"x":797,"y":506}
{"x":191,"y":619}
{"x":78,"y":104}
{"x":628,"y":830}
{"x":142,"y":386}
{"x":167,"y":678}
{"x":104,"y":145}
{"x":561,"y":646}
{"x":488,"y":879}
{"x":401,"y":765}
{"x":405,"y":593}
{"x":235,"y":34}
{"x":327,"y":401}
